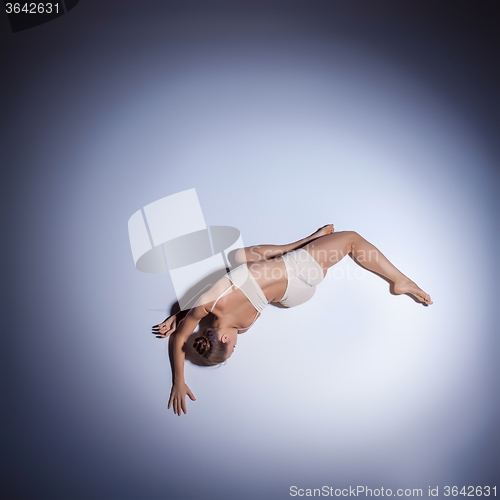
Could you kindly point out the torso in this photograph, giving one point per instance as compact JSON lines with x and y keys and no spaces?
{"x":234,"y":309}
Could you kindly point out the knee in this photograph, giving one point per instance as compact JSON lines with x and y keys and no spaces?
{"x":352,"y":235}
{"x":240,"y":256}
{"x":237,"y":257}
{"x":352,"y":238}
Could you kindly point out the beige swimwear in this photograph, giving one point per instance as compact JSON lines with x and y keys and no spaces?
{"x":303,"y":273}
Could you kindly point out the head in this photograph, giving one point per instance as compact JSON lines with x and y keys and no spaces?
{"x":216,"y":346}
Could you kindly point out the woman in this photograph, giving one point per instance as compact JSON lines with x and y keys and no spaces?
{"x":285,"y":275}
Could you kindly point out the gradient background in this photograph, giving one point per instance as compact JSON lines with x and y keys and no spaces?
{"x":381,"y":117}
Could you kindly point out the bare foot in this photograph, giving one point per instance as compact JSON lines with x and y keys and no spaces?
{"x":323,"y":231}
{"x":411,"y":288}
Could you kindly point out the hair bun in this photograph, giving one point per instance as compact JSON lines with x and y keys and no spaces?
{"x":201,"y":344}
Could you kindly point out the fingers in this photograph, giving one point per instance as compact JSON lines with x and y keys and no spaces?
{"x":162,"y":324}
{"x":160,"y":328}
{"x":178,"y":403}
{"x":162,"y":332}
{"x":166,"y":327}
{"x":173,"y":403}
{"x":179,"y":406}
{"x":159,"y":335}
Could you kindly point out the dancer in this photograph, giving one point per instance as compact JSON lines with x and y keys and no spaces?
{"x":285,"y":275}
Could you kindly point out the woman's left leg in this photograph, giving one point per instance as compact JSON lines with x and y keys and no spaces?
{"x":267,"y":252}
{"x":330,"y":249}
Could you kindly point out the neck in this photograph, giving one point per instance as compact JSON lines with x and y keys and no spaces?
{"x":218,"y":325}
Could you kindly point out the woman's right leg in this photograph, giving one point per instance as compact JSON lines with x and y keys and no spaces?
{"x":330,"y":249}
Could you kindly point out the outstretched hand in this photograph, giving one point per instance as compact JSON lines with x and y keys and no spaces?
{"x":166,"y":328}
{"x":178,"y":398}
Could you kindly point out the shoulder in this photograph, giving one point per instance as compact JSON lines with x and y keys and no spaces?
{"x":198,"y":312}
{"x":207,"y":299}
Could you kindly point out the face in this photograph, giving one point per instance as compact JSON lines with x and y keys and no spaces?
{"x":228,"y":336}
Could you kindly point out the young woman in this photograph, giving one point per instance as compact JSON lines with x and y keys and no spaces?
{"x":285,"y":275}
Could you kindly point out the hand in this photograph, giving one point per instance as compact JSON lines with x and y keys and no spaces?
{"x":166,"y":328}
{"x":178,"y":397}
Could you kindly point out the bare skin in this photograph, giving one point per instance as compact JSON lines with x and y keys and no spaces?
{"x":234,"y":313}
{"x":333,"y":248}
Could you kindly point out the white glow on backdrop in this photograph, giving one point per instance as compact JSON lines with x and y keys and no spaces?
{"x":277,"y":147}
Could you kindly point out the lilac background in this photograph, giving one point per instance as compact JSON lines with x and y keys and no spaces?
{"x":377,"y":116}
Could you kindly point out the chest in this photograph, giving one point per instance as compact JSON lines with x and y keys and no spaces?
{"x":235,"y":309}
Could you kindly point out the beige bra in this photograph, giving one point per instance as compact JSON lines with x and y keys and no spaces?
{"x":243,"y":279}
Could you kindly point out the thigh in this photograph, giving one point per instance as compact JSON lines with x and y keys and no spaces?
{"x":332,"y":248}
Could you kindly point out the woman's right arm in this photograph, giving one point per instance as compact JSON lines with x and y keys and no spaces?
{"x":167,"y":327}
{"x":179,"y":387}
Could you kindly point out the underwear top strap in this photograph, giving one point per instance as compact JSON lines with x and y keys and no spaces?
{"x":220,"y":296}
{"x":251,"y":324}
